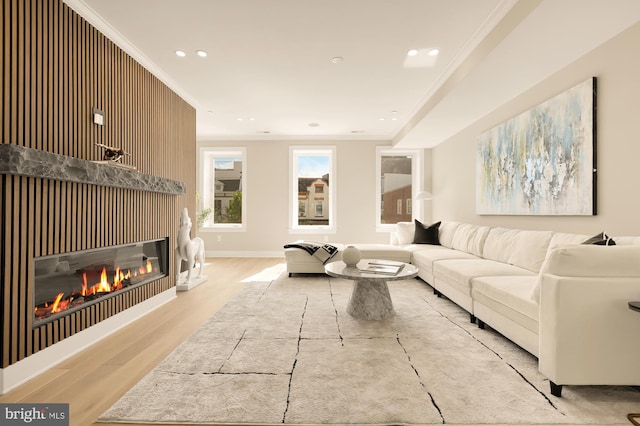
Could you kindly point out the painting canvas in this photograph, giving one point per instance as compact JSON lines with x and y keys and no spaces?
{"x":541,"y":162}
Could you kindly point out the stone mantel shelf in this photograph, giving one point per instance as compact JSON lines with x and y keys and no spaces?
{"x":19,"y":160}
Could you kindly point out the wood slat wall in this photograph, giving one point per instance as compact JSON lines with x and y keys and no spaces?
{"x":56,"y":68}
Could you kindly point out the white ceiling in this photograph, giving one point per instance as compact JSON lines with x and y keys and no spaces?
{"x":270,"y":60}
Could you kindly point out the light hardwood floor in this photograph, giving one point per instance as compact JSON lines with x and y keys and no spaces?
{"x":94,"y":379}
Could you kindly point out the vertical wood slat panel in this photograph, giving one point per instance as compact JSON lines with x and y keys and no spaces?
{"x":5,"y":271}
{"x":56,"y":68}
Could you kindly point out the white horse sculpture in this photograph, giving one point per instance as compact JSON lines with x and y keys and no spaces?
{"x":188,"y":249}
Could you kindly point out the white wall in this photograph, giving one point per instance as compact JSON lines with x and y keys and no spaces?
{"x":267,"y":198}
{"x":616,"y":64}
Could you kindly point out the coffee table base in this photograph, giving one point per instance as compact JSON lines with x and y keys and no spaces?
{"x":370,"y":300}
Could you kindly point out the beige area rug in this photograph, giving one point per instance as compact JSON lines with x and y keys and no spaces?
{"x":287,"y":352}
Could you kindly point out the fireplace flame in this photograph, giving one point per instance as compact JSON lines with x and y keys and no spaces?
{"x":56,"y":303}
{"x":121,"y":279}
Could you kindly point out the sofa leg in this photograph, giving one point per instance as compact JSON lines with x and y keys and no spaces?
{"x":556,"y":390}
{"x":480,"y":324}
{"x":290,"y":273}
{"x":472,"y":318}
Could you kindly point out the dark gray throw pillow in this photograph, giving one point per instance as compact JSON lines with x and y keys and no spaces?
{"x":600,"y":239}
{"x":426,"y":234}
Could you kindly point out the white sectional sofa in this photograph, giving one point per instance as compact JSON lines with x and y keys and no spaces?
{"x":563,"y":301}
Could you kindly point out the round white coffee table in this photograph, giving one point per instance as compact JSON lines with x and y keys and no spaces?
{"x":370,"y":298}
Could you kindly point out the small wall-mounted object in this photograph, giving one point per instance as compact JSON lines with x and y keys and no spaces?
{"x":113,"y":156}
{"x":98,"y":117}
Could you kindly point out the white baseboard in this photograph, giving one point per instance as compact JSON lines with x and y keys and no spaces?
{"x":28,"y":368}
{"x":243,"y":253}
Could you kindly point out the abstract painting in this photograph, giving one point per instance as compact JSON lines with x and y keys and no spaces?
{"x":541,"y":162}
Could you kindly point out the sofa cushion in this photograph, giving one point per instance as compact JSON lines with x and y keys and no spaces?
{"x":405,"y":232}
{"x":580,"y":260}
{"x":526,"y":249}
{"x":426,"y":234}
{"x":509,"y":295}
{"x":470,"y":238}
{"x":446,"y":233}
{"x":594,"y":261}
{"x":530,"y":249}
{"x":625,"y":241}
{"x":499,"y":244}
{"x":424,"y":256}
{"x":462,"y":271}
{"x":384,"y":252}
{"x":565,"y":239}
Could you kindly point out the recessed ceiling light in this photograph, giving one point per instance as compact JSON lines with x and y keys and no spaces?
{"x":238,"y":119}
{"x":252,"y":119}
{"x":381,"y":119}
{"x":412,"y":52}
{"x":434,"y":52}
{"x":314,"y":125}
{"x":394,"y":119}
{"x":180,"y":53}
{"x":337,"y":59}
{"x":201,"y":53}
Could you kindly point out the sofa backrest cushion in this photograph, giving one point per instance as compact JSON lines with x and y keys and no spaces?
{"x":530,"y":249}
{"x":470,"y":238}
{"x":404,"y":233}
{"x":499,"y":244}
{"x":559,"y":240}
{"x":594,"y":261}
{"x":447,"y":231}
{"x":518,"y":247}
{"x":627,"y":241}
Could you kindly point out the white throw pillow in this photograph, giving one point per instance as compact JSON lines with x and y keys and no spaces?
{"x":405,"y":232}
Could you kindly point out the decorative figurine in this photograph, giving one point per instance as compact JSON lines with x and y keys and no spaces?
{"x":112,"y":154}
{"x":188,"y":249}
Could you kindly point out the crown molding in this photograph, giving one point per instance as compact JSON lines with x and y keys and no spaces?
{"x":91,"y":16}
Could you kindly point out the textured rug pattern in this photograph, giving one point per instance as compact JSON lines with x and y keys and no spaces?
{"x":286,"y":351}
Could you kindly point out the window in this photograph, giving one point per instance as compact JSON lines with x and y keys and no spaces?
{"x":222,"y":189}
{"x":313,"y":188}
{"x":398,"y":179}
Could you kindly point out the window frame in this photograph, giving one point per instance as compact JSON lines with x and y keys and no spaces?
{"x":417,"y":176}
{"x":206,"y":155}
{"x":309,"y":150}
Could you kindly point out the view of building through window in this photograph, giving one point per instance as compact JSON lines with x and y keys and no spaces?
{"x":313,"y":189}
{"x":221,"y":198}
{"x":228,"y":194}
{"x":396,"y":188}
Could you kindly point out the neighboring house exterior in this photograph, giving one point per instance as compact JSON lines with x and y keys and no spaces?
{"x":227,"y":183}
{"x":313,"y":201}
{"x":396,"y":205}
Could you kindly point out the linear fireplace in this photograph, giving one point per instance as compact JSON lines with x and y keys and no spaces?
{"x":67,"y":282}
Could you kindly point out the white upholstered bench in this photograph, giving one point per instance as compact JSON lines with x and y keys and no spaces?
{"x":301,"y":262}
